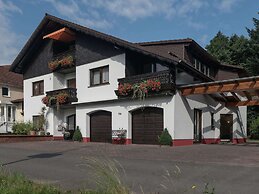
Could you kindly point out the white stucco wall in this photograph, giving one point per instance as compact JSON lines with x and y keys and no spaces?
{"x":33,"y":104}
{"x":121,"y":116}
{"x":102,"y":92}
{"x":184,"y":116}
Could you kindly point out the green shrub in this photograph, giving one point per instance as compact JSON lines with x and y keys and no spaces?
{"x":165,"y":138}
{"x":77,"y":135}
{"x":254,"y":129}
{"x":22,"y":128}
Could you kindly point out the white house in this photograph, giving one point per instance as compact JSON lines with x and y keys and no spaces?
{"x":104,"y":84}
{"x":11,"y":99}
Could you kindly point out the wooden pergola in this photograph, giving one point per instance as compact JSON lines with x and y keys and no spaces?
{"x":234,"y":92}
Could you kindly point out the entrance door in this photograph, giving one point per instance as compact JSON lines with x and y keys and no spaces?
{"x":197,"y":125}
{"x":226,"y":126}
{"x":71,"y":122}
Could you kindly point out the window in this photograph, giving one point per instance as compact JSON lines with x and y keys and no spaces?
{"x":5,"y":91}
{"x":212,"y":122}
{"x":99,"y":76}
{"x":9,"y":113}
{"x":13,"y":112}
{"x":71,"y":83}
{"x":38,"y":88}
{"x":2,"y":118}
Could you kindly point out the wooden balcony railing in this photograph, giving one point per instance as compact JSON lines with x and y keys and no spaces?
{"x":61,"y":97}
{"x":162,"y":81}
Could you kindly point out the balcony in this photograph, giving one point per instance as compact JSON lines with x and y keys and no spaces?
{"x":60,"y":97}
{"x":63,"y":62}
{"x":146,"y":85}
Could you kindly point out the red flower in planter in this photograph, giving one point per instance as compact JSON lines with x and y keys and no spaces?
{"x":64,"y":62}
{"x":67,"y":61}
{"x":124,"y":89}
{"x":45,"y":100}
{"x":62,"y":98}
{"x":154,"y":85}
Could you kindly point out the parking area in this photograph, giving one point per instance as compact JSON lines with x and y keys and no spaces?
{"x":227,"y":168}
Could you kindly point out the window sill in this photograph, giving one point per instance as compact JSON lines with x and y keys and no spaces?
{"x":92,"y":86}
{"x":6,"y":96}
{"x":37,"y":95}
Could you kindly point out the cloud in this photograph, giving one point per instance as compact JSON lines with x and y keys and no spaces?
{"x":204,"y":39}
{"x":10,"y":41}
{"x":227,"y":5}
{"x":103,"y":14}
{"x":74,"y":11}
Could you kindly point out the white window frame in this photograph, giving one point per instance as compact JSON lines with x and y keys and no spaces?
{"x":9,"y":95}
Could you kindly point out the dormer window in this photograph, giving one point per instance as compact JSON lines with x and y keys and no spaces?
{"x":5,"y":92}
{"x":202,"y":68}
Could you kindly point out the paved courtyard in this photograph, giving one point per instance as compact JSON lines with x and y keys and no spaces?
{"x":228,"y":168}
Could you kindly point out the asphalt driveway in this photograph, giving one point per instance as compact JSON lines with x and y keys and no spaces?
{"x":227,"y":168}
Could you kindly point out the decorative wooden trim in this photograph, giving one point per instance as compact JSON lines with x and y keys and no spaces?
{"x":244,"y":103}
{"x":235,"y":96}
{"x":248,"y":95}
{"x":221,"y":86}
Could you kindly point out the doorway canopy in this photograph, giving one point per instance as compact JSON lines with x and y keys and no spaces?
{"x":233,"y":92}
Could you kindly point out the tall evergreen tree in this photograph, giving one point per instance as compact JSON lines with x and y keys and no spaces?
{"x":253,"y":59}
{"x":239,"y":50}
{"x":219,"y":47}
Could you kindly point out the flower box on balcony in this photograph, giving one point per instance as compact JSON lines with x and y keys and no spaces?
{"x":62,"y":63}
{"x":60,"y":97}
{"x":145,"y":85}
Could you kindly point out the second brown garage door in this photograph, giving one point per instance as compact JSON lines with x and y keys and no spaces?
{"x":147,"y":125}
{"x":101,"y":126}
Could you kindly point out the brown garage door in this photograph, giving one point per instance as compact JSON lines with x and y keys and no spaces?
{"x":147,"y":125}
{"x":101,"y":126}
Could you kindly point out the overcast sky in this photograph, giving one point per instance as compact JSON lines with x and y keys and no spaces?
{"x":132,"y":20}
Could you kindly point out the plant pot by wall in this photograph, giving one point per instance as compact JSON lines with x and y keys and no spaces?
{"x":32,"y":132}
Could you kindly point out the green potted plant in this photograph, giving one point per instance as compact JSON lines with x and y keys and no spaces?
{"x":165,"y":138}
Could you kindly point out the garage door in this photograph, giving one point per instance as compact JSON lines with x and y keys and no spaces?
{"x":101,"y":126}
{"x":147,"y":125}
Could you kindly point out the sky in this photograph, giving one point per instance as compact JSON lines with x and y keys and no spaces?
{"x":132,"y":20}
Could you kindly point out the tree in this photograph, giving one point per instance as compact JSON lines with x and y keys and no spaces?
{"x":219,"y":47}
{"x":239,"y":50}
{"x":253,"y":48}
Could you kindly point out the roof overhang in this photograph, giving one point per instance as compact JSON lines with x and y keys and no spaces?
{"x":64,"y":35}
{"x":234,"y":92}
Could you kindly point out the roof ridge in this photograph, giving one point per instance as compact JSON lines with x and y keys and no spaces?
{"x":165,"y":41}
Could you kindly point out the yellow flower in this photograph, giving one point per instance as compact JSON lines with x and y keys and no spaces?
{"x":193,"y":187}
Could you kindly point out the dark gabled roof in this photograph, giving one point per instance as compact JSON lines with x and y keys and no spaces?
{"x":17,"y":100}
{"x":18,"y":63}
{"x":88,"y":31}
{"x":10,"y":78}
{"x":161,"y":42}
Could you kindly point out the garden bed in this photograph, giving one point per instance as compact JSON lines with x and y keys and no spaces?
{"x":23,"y":138}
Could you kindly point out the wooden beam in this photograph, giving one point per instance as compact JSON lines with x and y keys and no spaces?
{"x":224,"y":97}
{"x":248,"y":95}
{"x":235,"y":96}
{"x":244,"y":103}
{"x":233,"y":86}
{"x":257,"y":92}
